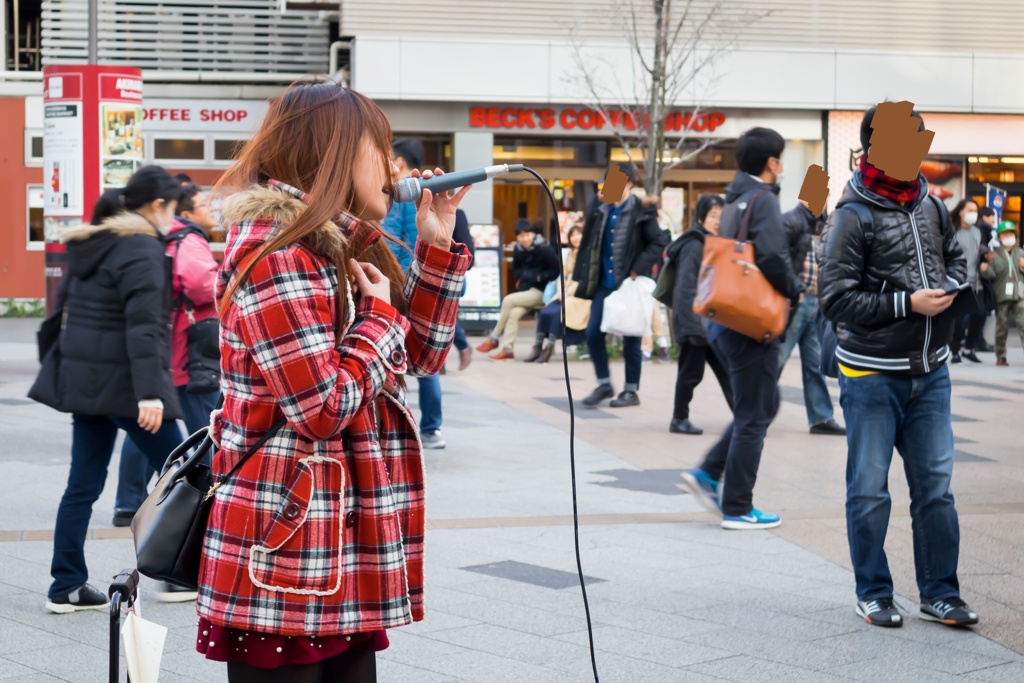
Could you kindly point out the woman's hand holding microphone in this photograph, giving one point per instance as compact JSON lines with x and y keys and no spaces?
{"x":435,"y":213}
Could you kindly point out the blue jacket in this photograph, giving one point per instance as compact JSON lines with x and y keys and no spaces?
{"x":400,"y":223}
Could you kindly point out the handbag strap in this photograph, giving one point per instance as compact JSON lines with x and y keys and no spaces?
{"x":744,"y":232}
{"x":248,"y":454}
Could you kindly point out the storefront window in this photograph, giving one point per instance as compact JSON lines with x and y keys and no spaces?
{"x":1003,"y":173}
{"x":33,"y":148}
{"x":34,"y":222}
{"x":179,"y":149}
{"x":547,"y":153}
{"x":227,"y":150}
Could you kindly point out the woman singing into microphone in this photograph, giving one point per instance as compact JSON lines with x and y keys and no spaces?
{"x":315,"y":547}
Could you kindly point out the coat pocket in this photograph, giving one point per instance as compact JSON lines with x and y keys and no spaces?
{"x":300,"y":548}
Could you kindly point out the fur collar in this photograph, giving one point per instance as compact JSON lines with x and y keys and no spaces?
{"x":264,"y":202}
{"x":122,"y":224}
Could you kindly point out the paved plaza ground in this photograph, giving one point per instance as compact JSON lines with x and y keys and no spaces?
{"x":673,"y":597}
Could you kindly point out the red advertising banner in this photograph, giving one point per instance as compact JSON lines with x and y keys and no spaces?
{"x":92,"y":118}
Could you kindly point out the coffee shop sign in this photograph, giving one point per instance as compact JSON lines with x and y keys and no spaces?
{"x":587,"y":119}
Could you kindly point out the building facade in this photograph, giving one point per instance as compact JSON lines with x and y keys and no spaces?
{"x":493,"y":82}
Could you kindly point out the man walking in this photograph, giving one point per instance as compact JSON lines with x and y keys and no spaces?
{"x":882,"y":286}
{"x":400,"y":223}
{"x":620,"y":240}
{"x":803,"y":229}
{"x":753,"y":365}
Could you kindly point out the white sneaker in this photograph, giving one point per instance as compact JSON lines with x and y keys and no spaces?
{"x":170,"y":593}
{"x":433,"y":440}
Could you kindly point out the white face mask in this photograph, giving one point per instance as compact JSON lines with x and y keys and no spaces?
{"x":970,"y":218}
{"x":1008,"y":242}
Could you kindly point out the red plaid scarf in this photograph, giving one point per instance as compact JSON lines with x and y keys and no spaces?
{"x":896,"y":190}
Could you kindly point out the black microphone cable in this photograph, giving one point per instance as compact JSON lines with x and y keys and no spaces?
{"x":572,"y":422}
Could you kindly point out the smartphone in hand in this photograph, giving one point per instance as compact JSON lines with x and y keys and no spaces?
{"x":952,"y":287}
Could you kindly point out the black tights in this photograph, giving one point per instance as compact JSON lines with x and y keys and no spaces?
{"x":354,"y":666}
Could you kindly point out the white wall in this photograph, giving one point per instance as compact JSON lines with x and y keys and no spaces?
{"x":464,"y":69}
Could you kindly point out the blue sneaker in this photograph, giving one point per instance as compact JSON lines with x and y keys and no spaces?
{"x":704,"y":489}
{"x":755,"y":519}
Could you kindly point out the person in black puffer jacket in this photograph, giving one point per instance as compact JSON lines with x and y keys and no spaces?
{"x":694,"y":351}
{"x":621,"y":240}
{"x":884,"y":292}
{"x":534,"y":264}
{"x":110,"y":367}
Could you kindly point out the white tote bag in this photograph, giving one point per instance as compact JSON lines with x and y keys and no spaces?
{"x":629,"y":309}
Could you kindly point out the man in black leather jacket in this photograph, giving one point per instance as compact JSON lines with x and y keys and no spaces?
{"x":753,"y":366}
{"x":882,"y":287}
{"x":621,"y":240}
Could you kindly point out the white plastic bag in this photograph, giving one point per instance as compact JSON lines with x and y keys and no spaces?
{"x":628,"y":311}
{"x":143,"y":643}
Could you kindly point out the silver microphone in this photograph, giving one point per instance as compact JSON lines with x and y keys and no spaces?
{"x":411,"y":189}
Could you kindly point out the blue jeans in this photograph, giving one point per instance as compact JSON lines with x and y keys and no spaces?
{"x":134,"y":470}
{"x":803,"y":330}
{"x":92,"y":444}
{"x":461,"y":343}
{"x":912,"y":415}
{"x":430,"y":403}
{"x":631,"y":346}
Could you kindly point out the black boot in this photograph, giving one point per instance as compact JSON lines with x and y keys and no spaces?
{"x":534,"y":354}
{"x":546,"y":352}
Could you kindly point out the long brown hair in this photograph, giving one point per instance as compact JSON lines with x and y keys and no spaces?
{"x":310,"y":138}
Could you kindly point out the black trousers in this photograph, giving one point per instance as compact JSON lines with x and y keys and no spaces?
{"x":692,"y":360}
{"x":753,"y":371}
{"x":354,"y":666}
{"x":968,"y":339}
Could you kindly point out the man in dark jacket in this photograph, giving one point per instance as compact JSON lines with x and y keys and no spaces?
{"x":694,"y":350}
{"x":803,"y":229}
{"x":753,"y":365}
{"x":620,"y":240}
{"x":884,"y":293}
{"x":534,"y":265}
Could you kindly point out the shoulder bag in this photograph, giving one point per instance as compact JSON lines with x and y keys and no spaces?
{"x":732,"y":291}
{"x":171,"y":523}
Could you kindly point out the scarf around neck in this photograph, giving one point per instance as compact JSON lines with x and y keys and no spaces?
{"x":897,"y":190}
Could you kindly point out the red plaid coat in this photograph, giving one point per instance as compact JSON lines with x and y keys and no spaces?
{"x":321,"y":531}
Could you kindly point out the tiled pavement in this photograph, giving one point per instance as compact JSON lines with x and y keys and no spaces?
{"x":673,"y":597}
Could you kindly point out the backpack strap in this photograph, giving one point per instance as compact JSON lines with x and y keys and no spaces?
{"x":176,"y":238}
{"x":944,"y":221}
{"x":867,"y":221}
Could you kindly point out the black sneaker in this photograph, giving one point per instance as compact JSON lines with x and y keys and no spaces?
{"x":683,"y":427}
{"x":829,"y":427}
{"x":602,"y":393}
{"x":880,"y":612}
{"x":627,"y":399}
{"x":970,"y":355}
{"x":123,"y":518}
{"x":956,"y":358}
{"x":949,"y":611}
{"x":83,"y":598}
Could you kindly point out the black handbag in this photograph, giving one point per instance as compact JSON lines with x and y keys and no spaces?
{"x":202,"y":341}
{"x":170,"y":526}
